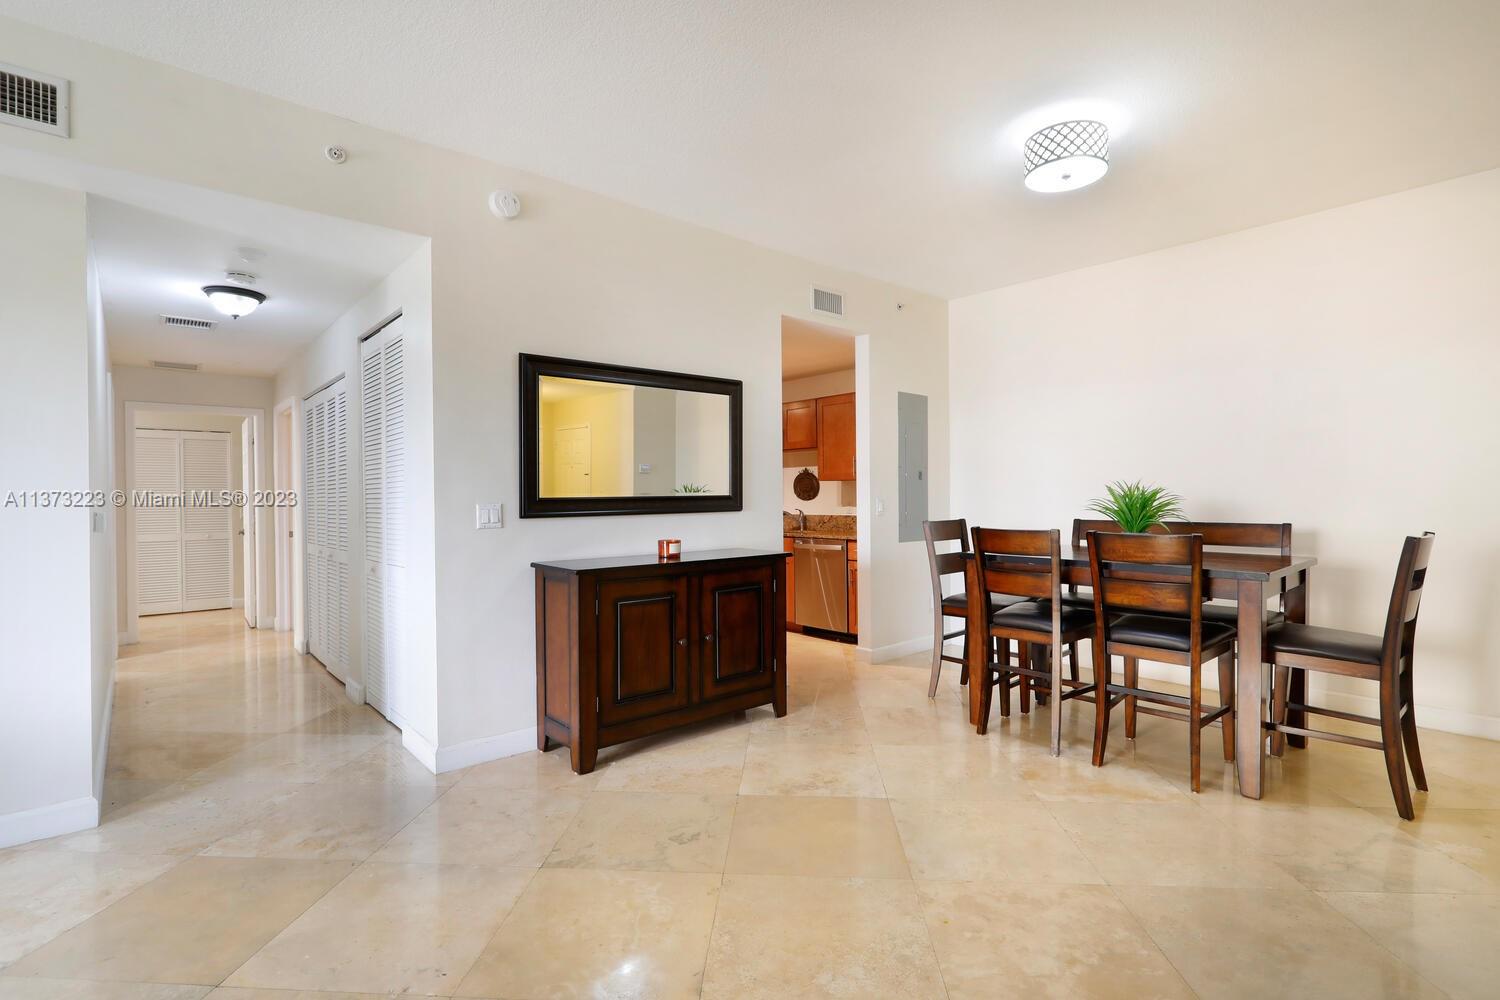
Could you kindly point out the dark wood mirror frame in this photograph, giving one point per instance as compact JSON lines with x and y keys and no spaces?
{"x":533,"y":504}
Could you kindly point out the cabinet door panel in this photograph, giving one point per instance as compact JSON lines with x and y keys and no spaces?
{"x":736,"y":619}
{"x":799,"y":425}
{"x":836,"y":438}
{"x":643,"y":632}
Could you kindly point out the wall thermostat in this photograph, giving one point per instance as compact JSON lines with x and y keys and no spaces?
{"x":505,"y":204}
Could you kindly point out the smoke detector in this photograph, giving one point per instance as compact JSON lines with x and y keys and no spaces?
{"x":240,"y":277}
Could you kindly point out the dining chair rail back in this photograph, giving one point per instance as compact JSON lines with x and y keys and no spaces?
{"x":1385,"y":658}
{"x":1148,"y":604}
{"x":1028,"y":564}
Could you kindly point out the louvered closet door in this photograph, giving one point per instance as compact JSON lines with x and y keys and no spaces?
{"x":158,"y":530}
{"x":325,"y":533}
{"x":207,"y":534}
{"x":383,"y":431}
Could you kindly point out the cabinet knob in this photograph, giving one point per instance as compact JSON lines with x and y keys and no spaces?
{"x":708,"y":637}
{"x":682,"y":641}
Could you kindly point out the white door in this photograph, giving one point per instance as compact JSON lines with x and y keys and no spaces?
{"x":574,"y":458}
{"x":325,"y":535}
{"x":383,"y":472}
{"x":184,"y":539}
{"x":247,"y":516}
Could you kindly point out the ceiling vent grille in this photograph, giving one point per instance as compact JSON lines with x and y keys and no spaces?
{"x":176,"y":366}
{"x":188,"y":322}
{"x":825,"y":301}
{"x":33,"y":100}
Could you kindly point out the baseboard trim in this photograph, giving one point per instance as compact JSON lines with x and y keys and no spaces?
{"x":124,"y":639}
{"x":101,"y":756}
{"x":55,"y":820}
{"x":416,"y":745}
{"x":236,"y":602}
{"x":488,"y":748}
{"x":896,"y":650}
{"x":355,"y":691}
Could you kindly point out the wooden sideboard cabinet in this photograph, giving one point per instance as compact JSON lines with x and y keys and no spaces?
{"x":633,"y":645}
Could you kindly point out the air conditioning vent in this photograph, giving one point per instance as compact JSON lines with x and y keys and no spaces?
{"x":825,"y":301}
{"x":188,"y":322}
{"x":176,"y":366}
{"x":33,"y":100}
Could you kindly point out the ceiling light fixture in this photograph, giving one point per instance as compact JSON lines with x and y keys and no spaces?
{"x":1067,"y":156}
{"x":233,"y":301}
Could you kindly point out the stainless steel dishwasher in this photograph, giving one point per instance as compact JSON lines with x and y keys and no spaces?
{"x":822,"y":568}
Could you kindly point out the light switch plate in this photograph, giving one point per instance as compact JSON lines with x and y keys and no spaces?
{"x":489,"y":515}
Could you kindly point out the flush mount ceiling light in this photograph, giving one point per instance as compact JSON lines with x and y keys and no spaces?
{"x":1067,"y":156}
{"x":233,"y":301}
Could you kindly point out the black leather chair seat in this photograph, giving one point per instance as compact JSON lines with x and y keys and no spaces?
{"x":1036,"y":616}
{"x":958,"y":603}
{"x":1165,"y":633}
{"x":1315,"y":640}
{"x":1083,"y":600}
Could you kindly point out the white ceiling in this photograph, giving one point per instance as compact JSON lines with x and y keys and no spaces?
{"x":876,"y":136}
{"x":813,"y":349}
{"x":151,"y":263}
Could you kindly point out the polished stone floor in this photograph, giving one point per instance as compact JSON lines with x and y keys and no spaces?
{"x":265,"y":839}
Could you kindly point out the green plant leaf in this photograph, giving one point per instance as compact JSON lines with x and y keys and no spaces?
{"x":1137,"y":507}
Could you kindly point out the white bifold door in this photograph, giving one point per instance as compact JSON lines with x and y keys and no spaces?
{"x":383,"y":471}
{"x":183,"y":534}
{"x":325,"y":526}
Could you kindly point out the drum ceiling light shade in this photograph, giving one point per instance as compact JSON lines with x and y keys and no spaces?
{"x":233,"y":301}
{"x":1067,"y":156}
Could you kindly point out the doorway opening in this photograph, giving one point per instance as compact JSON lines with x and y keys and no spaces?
{"x":820,"y":478}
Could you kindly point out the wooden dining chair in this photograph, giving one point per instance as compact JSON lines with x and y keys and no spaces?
{"x":1160,"y":579}
{"x":1027,"y":564}
{"x":955,"y":605}
{"x":1385,"y":659}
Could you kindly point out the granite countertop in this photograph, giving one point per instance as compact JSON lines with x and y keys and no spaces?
{"x":835,"y":533}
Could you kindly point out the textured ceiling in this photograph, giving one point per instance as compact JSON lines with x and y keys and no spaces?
{"x":873,"y":135}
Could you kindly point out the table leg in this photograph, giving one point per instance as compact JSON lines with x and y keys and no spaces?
{"x":976,"y":647}
{"x":1296,"y":611}
{"x":1249,"y":697}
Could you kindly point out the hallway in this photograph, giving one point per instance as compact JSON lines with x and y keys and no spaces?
{"x":264,"y":833}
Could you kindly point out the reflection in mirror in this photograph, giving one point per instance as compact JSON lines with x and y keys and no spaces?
{"x":608,"y":439}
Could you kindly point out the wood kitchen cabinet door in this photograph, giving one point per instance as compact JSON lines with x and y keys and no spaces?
{"x":643,"y":647}
{"x":799,"y":425}
{"x":836,"y":438}
{"x":791,"y":583}
{"x":736,"y":623}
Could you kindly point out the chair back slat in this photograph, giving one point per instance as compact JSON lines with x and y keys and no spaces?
{"x":941,"y":564}
{"x":1018,"y":563}
{"x":1150,"y":573}
{"x":949,"y":563}
{"x":1406,"y":597}
{"x":955,"y":530}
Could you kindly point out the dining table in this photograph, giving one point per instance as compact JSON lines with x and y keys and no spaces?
{"x":1247,"y":578}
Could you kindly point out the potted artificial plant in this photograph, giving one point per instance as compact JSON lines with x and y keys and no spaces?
{"x":1138,"y":508}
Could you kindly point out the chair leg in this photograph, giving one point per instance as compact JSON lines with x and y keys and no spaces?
{"x":1025,"y":661}
{"x":1195,"y":724}
{"x":1226,"y":697}
{"x":1072,"y":661}
{"x":1297,"y":694}
{"x":1280,"y":682}
{"x":1409,"y":730}
{"x":1039,"y":662}
{"x":984,"y":690}
{"x":1132,"y":679}
{"x":1055,"y":649}
{"x":1395,"y":762}
{"x":937,"y":656}
{"x":1003,"y":671}
{"x":1101,"y":706}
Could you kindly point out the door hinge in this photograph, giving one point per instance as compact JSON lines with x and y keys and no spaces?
{"x":596,"y":703}
{"x":596,"y":607}
{"x":773,"y":586}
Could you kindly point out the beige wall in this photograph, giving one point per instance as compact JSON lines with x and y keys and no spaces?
{"x":576,"y":275}
{"x":1336,"y":371}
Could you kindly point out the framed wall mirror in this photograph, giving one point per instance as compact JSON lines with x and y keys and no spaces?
{"x":604,"y":439}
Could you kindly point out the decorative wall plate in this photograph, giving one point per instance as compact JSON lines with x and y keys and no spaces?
{"x":806,"y":485}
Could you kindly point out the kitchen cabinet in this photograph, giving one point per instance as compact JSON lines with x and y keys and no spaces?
{"x":791,"y":587}
{"x":836,"y":438}
{"x":631,"y":646}
{"x":799,"y":425}
{"x":853,"y":588}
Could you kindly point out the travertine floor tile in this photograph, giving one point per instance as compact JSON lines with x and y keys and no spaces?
{"x":811,"y":769}
{"x":820,"y":937}
{"x":815,"y":835}
{"x":389,"y":929}
{"x":496,"y":827}
{"x":1042,"y":941}
{"x":194,"y":924}
{"x":79,"y":989}
{"x":712,"y":768}
{"x":329,"y":821}
{"x":943,"y":772}
{"x":1448,"y":939}
{"x":577,"y":933}
{"x":986,"y":840}
{"x":549,"y":771}
{"x":1260,"y":942}
{"x":648,"y":831}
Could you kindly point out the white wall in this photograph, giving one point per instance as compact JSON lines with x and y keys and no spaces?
{"x":833,"y":497}
{"x":1336,"y":371}
{"x":576,"y":275}
{"x":158,"y":385}
{"x":103,"y":594}
{"x":48,"y":660}
{"x":407,"y":290}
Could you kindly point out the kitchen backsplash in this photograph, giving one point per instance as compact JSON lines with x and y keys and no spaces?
{"x":842,"y":523}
